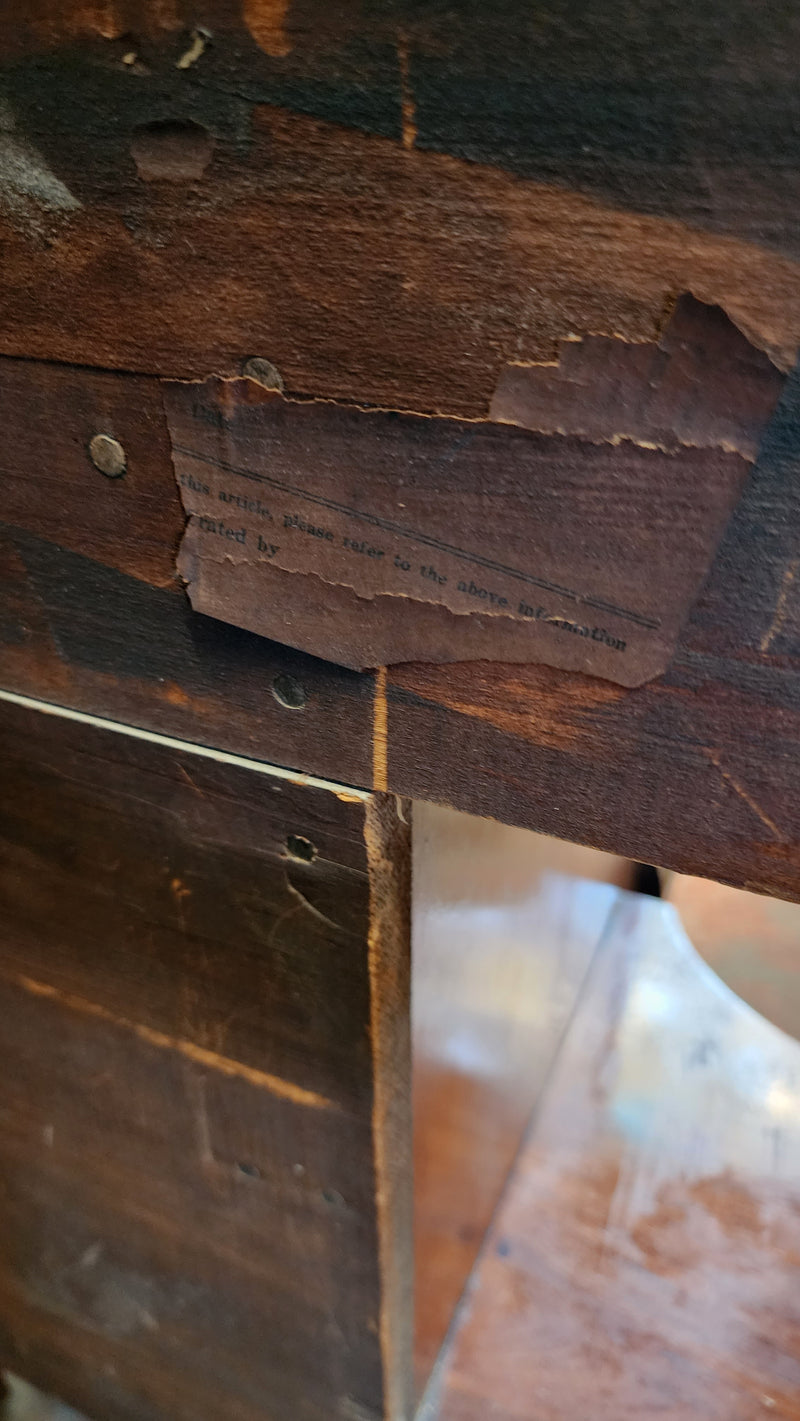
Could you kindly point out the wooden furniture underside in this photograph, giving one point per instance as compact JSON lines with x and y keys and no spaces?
{"x":206,"y":1203}
{"x":206,"y":1143}
{"x":393,"y":206}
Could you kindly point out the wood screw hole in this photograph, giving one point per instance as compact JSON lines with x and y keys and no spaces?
{"x":288,"y":692}
{"x":251,"y":1170}
{"x":301,"y":848}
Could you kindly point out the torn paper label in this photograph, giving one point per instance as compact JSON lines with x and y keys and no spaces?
{"x":369,"y":537}
{"x":700,"y":384}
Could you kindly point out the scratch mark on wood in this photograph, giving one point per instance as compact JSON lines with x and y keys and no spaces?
{"x":778,"y":620}
{"x":196,"y":1090}
{"x":315,"y":912}
{"x":91,"y":1256}
{"x":263,"y":1080}
{"x":179,"y":891}
{"x":280,"y":920}
{"x":742,"y":793}
{"x":191,"y":782}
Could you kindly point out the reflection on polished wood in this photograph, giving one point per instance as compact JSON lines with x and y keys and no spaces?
{"x":750,"y":941}
{"x":503,"y":934}
{"x":644,"y":1261}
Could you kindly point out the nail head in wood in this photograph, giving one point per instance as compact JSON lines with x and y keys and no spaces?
{"x":264,"y":372}
{"x":108,"y":455}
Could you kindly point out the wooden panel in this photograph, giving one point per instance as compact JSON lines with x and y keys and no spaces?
{"x":503,"y":933}
{"x":644,"y":1260}
{"x":695,"y":771}
{"x":393,"y":208}
{"x":387,"y":206}
{"x":204,"y":995}
{"x":93,"y":614}
{"x":652,"y":109}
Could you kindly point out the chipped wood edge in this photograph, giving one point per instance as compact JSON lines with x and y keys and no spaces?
{"x":387,"y":833}
{"x":380,"y":732}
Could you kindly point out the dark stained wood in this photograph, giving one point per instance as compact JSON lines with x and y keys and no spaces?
{"x":364,"y":270}
{"x":503,"y":933}
{"x":644,"y":1259}
{"x":203,"y":978}
{"x":393,"y":205}
{"x":659,"y":108}
{"x":92,"y":613}
{"x":393,"y":209}
{"x":696,"y":770}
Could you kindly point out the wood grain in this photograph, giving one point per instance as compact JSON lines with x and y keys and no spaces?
{"x":503,"y":933}
{"x":695,"y":771}
{"x":92,"y":614}
{"x":662,"y":109}
{"x":196,"y":1206}
{"x":393,"y":210}
{"x":644,"y":1259}
{"x":363,"y":270}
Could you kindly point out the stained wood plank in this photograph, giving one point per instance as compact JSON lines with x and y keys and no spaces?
{"x":695,"y":771}
{"x":645,"y":1258}
{"x":327,"y":198}
{"x":390,"y":209}
{"x":204,"y":983}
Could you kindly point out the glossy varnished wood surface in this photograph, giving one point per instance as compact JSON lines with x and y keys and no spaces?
{"x":503,"y":932}
{"x":347,"y":227}
{"x":204,"y":1206}
{"x":645,"y":1258}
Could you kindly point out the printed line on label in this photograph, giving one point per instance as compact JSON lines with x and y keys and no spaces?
{"x":389,"y":526}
